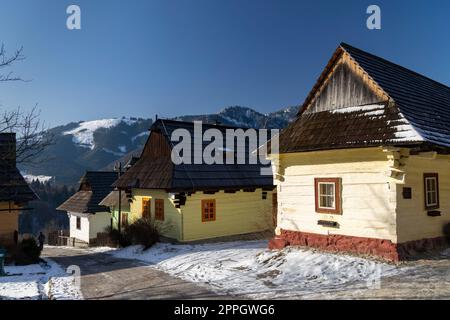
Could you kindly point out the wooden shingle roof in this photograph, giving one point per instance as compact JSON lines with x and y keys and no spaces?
{"x":405,"y":108}
{"x":156,"y":170}
{"x":94,"y":186}
{"x":425,"y":103}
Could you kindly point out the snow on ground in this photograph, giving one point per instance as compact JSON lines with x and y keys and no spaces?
{"x":248,"y":268}
{"x":38,"y":281}
{"x":83,"y":135}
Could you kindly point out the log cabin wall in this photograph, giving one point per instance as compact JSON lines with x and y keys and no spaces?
{"x":413,"y":222}
{"x":9,"y":222}
{"x":236,"y":213}
{"x":171,"y":227}
{"x":368,"y":194}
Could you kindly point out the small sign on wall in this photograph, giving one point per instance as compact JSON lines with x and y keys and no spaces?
{"x":407,"y":193}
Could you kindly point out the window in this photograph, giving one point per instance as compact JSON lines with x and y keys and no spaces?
{"x":78,"y":223}
{"x":159,"y":209}
{"x":124,"y":219}
{"x":208,"y":210}
{"x":328,"y":195}
{"x":431,"y":189}
{"x":146,"y":208}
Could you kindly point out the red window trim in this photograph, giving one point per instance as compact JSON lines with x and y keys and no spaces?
{"x":337,"y":189}
{"x":214,"y":210}
{"x":159,"y":209}
{"x":430,"y":175}
{"x":147,"y":214}
{"x":124,"y":219}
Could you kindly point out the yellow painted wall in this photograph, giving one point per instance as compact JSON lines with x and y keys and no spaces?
{"x":172,"y":216}
{"x":236,"y":213}
{"x":9,"y":221}
{"x":412,"y":218}
{"x":368,"y":193}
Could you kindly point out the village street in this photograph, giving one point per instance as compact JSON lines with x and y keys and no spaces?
{"x":105,"y":277}
{"x":245,"y":270}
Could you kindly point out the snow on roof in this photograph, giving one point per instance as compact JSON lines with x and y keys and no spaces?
{"x":370,"y":107}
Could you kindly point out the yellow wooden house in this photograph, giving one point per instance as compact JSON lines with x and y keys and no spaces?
{"x":195,"y":201}
{"x":365,"y":167}
{"x":14,"y":191}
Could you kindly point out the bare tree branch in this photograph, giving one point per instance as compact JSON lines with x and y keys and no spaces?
{"x":32,"y":135}
{"x":8,"y":61}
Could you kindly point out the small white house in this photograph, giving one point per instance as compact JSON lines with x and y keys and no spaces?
{"x":85,"y":227}
{"x":87,"y":217}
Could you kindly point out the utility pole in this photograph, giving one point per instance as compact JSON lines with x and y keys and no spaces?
{"x":119,"y":169}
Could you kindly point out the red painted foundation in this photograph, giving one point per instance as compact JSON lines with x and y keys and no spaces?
{"x":381,"y":248}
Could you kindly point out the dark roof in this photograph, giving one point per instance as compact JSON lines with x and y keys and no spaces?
{"x":159,"y":171}
{"x":94,"y":186}
{"x":419,"y":112}
{"x":425,"y":103}
{"x":13,"y":186}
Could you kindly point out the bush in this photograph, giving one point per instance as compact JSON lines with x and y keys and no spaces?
{"x":27,"y":252}
{"x":117,"y":238}
{"x":144,"y":232}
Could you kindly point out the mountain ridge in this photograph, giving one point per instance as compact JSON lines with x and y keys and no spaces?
{"x":98,"y":144}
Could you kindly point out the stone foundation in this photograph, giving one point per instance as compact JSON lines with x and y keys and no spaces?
{"x":381,"y":248}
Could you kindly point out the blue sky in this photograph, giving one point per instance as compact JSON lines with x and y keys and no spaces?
{"x":173,"y":57}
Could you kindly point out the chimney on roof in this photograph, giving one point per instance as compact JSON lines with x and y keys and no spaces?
{"x":156,"y":117}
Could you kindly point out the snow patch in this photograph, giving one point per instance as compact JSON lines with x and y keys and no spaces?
{"x":83,"y":135}
{"x":249,"y":268}
{"x":405,"y":132}
{"x":41,"y":178}
{"x":122,"y":149}
{"x":37,"y":282}
{"x":145,"y":133}
{"x":119,"y":154}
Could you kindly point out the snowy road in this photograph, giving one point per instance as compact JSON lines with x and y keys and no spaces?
{"x":106,"y":277}
{"x":247,"y":269}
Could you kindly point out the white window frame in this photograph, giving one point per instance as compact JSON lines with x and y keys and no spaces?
{"x":428,"y":192}
{"x":326,"y":195}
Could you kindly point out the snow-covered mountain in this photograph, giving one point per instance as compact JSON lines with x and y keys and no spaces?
{"x":89,"y":145}
{"x":97,"y":144}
